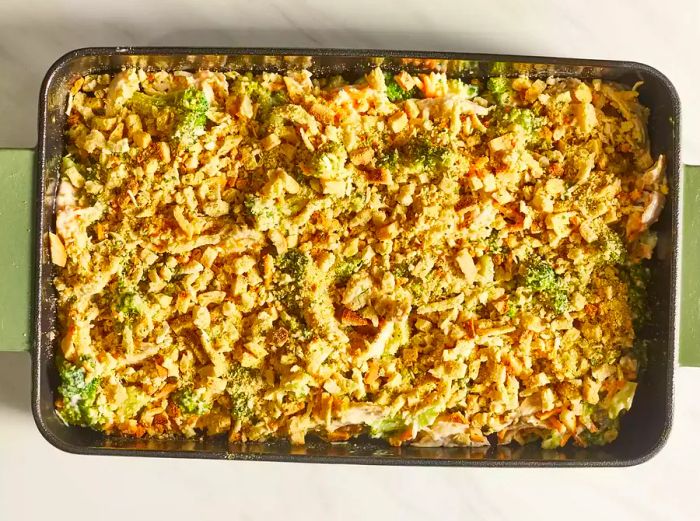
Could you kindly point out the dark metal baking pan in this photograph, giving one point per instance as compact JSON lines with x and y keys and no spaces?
{"x":644,"y":429}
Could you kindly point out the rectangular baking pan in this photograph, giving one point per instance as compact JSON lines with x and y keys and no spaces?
{"x":29,"y":300}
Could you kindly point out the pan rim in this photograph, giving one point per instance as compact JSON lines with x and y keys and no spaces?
{"x":41,"y":225}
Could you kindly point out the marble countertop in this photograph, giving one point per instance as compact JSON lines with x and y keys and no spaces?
{"x":35,"y":478}
{"x":661,"y":34}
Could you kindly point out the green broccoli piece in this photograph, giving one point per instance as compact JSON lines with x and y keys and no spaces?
{"x":243,"y":383}
{"x":295,"y":323}
{"x":191,"y":400}
{"x":541,"y":278}
{"x":500,"y":88}
{"x":345,"y":269}
{"x":294,"y":263}
{"x":265,"y":99}
{"x":189,"y":108}
{"x":292,"y":298}
{"x":190,"y":114}
{"x":612,"y":249}
{"x":426,"y":155}
{"x":295,"y":114}
{"x":145,"y":104}
{"x":637,"y":277}
{"x":328,"y":161}
{"x":291,"y":295}
{"x":559,"y":300}
{"x":525,"y":119}
{"x":79,"y":394}
{"x":389,"y":159}
{"x":500,"y":68}
{"x":600,"y":437}
{"x":263,"y":212}
{"x":128,"y":304}
{"x":396,"y":92}
{"x":512,"y":310}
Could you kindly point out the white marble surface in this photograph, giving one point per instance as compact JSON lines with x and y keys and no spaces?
{"x":35,"y":479}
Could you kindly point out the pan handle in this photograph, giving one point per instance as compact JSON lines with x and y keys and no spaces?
{"x":16,"y":238}
{"x":690,"y":269}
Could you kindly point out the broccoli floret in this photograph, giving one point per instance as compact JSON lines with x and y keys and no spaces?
{"x":296,"y":114}
{"x":79,"y":394}
{"x":294,"y":263}
{"x":500,"y":88}
{"x":396,"y":92}
{"x":243,"y":383}
{"x":128,"y":304}
{"x":541,"y":278}
{"x":345,"y":269}
{"x":189,"y":108}
{"x":328,"y":161}
{"x":426,"y":155}
{"x":525,"y":119}
{"x":612,"y":249}
{"x":297,"y":326}
{"x":145,"y":104}
{"x":264,"y":98}
{"x":559,"y":300}
{"x":192,"y":401}
{"x":389,"y":159}
{"x":512,"y":310}
{"x":600,"y":437}
{"x":264,"y":212}
{"x":637,"y":277}
{"x":500,"y":68}
{"x":291,"y":295}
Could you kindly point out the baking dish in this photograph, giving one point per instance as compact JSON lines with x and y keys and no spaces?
{"x":29,"y":295}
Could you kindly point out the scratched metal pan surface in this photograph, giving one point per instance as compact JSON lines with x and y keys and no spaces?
{"x":644,"y":429}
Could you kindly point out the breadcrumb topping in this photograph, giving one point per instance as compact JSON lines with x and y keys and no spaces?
{"x":407,"y":256}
